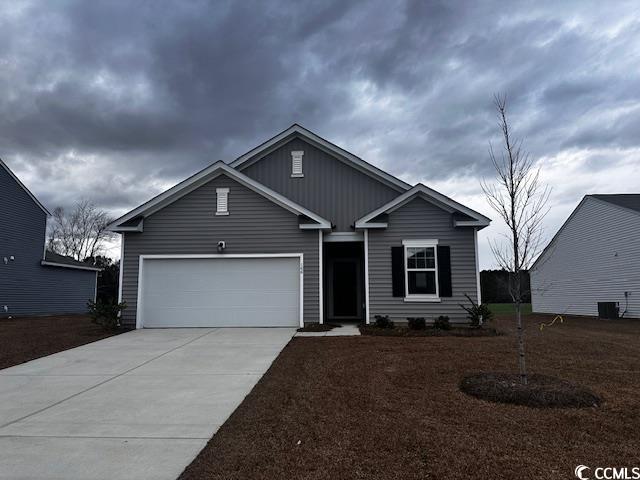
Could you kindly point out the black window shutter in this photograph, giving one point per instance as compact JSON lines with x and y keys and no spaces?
{"x":397,"y":271}
{"x":444,"y":271}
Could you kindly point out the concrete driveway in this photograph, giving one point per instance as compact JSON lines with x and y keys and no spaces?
{"x":140,"y":405}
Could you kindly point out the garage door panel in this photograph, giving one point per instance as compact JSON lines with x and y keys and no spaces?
{"x":218,"y":292}
{"x":273,"y":298}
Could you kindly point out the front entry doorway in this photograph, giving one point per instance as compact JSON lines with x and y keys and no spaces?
{"x":344,"y":280}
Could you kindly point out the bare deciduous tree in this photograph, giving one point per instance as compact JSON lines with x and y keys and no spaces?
{"x":80,"y":233}
{"x":520,"y":200}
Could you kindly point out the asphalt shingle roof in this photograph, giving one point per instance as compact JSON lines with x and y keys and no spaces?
{"x":627,"y":200}
{"x":63,"y":260}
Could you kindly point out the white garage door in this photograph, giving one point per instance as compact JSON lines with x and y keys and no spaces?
{"x":220,"y":292}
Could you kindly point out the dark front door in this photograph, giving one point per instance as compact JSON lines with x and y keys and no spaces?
{"x":345,"y":288}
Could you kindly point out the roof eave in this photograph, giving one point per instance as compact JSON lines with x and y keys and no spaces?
{"x":22,"y":185}
{"x":201,"y":178}
{"x":479,"y":220}
{"x":65,"y":265}
{"x":359,"y":163}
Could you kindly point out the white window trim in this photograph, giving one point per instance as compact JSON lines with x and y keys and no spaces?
{"x":295,"y":155}
{"x":430,"y":243}
{"x":225,"y":193}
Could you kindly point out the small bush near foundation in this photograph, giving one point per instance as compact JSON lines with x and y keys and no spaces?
{"x":383,"y":321}
{"x":402,"y":331}
{"x":478,"y":315}
{"x":417,"y":323}
{"x":541,"y":391}
{"x":442,"y":322}
{"x":106,"y":314}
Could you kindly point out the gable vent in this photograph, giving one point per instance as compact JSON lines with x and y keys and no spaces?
{"x":296,"y":163}
{"x":222,"y":201}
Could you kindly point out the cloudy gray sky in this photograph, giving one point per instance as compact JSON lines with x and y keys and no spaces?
{"x":116,"y":101}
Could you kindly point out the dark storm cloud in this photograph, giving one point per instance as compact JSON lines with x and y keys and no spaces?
{"x":116,"y":100}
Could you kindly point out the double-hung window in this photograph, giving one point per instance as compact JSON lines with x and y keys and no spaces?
{"x":421,"y":270}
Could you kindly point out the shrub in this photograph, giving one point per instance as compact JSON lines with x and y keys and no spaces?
{"x":442,"y":322}
{"x":477,"y":314}
{"x":383,"y":321}
{"x":106,"y":313}
{"x":417,"y":323}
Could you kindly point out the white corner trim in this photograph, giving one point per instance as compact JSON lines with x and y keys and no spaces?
{"x":142,"y":258}
{"x":366,"y":276}
{"x":139,"y":320}
{"x":121,"y":272}
{"x":479,"y":294}
{"x":321,"y":276}
{"x":95,"y":291}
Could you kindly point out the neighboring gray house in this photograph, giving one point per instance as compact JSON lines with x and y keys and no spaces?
{"x":33,"y":281}
{"x":296,"y":231}
{"x":594,"y":257}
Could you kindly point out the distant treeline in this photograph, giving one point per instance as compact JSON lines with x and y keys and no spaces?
{"x":495,"y":286}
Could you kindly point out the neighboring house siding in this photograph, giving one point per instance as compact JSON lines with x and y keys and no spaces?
{"x":330,"y":188}
{"x":26,"y":287}
{"x":189,"y":226}
{"x":594,"y":258}
{"x":421,"y":220}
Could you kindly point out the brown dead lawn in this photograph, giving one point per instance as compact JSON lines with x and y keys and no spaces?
{"x":390,"y":408}
{"x":27,"y":338}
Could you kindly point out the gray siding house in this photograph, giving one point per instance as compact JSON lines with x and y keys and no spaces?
{"x":33,"y":281}
{"x":594,"y":257}
{"x":297,"y":230}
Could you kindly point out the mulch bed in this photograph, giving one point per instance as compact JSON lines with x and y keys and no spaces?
{"x":541,"y":391}
{"x":318,"y":327}
{"x":429,"y":332}
{"x":374,"y":407}
{"x":27,"y":338}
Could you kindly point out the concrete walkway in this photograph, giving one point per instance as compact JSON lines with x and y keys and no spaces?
{"x":345,"y":330}
{"x":140,"y":405}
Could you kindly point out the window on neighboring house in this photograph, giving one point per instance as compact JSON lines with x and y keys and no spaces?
{"x":222,"y":201}
{"x":296,"y":164}
{"x":421,"y":269}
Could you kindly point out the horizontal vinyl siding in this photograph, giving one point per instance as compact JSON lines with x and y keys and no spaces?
{"x":190,"y":226}
{"x":420,"y":220}
{"x":332,"y":189}
{"x":595,"y":258}
{"x":26,"y":287}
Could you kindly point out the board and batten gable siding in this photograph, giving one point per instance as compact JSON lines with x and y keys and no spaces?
{"x":26,"y":287}
{"x":421,"y":220}
{"x":594,"y":258}
{"x":190,"y":226}
{"x":331,"y":188}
